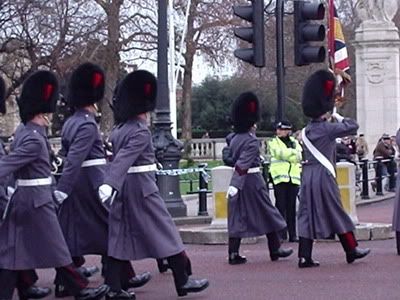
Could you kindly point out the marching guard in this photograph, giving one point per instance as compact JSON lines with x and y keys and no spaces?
{"x":30,"y":234}
{"x":26,"y":279}
{"x":396,"y":214}
{"x":321,"y":213}
{"x":250,"y":210}
{"x":139,"y":223}
{"x":83,"y":218}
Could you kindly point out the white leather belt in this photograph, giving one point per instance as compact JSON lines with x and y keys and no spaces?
{"x":34,"y":182}
{"x":253,"y":170}
{"x":94,"y":162}
{"x":142,"y":169}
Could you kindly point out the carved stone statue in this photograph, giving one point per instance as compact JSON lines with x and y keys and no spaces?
{"x":377,"y":10}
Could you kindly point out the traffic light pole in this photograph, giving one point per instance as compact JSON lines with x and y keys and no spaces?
{"x":280,"y":61}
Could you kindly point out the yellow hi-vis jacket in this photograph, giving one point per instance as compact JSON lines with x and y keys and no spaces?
{"x":285,"y":162}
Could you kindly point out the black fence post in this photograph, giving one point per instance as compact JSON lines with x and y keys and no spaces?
{"x":392,"y":174}
{"x":364,"y":166}
{"x":379,"y":176}
{"x":203,"y":189}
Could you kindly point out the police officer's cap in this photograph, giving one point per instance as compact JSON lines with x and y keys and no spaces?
{"x":285,"y":125}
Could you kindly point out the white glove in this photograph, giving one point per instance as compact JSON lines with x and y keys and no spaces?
{"x":338,"y":117}
{"x":232,"y":191}
{"x":60,"y":196}
{"x":10,"y":191}
{"x":105,"y":192}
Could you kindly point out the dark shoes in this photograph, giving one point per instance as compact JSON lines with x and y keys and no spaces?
{"x":138,"y":281}
{"x":280,"y":253}
{"x":357,"y":253}
{"x":34,"y":292}
{"x":93,"y":293}
{"x":121,"y":295}
{"x":88,"y":271}
{"x":236,"y":259}
{"x":293,"y":239}
{"x":193,"y":286}
{"x":307,"y":263}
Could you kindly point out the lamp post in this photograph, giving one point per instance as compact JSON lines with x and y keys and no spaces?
{"x":168,"y":149}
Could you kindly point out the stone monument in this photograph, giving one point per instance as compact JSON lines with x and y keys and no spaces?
{"x":377,"y":45}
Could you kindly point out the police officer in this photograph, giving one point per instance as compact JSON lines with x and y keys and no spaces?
{"x":83,"y":218}
{"x":321,"y":213}
{"x":250,"y":211}
{"x":30,"y":220}
{"x":286,"y":153}
{"x":140,"y":225}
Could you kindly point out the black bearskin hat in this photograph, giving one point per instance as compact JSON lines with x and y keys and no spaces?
{"x":135,"y":94}
{"x":319,"y":94}
{"x":86,"y":85}
{"x":39,"y":95}
{"x":245,"y":112}
{"x":2,"y":96}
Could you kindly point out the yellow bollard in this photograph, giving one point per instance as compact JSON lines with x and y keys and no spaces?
{"x":346,"y":180}
{"x":221,"y":178}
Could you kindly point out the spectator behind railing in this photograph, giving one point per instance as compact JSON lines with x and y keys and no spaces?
{"x":361,"y":147}
{"x":384,"y":150}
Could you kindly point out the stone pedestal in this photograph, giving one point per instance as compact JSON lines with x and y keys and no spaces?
{"x":377,"y":47}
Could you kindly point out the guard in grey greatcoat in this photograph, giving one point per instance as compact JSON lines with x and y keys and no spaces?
{"x":396,"y":212}
{"x":30,"y":235}
{"x":83,"y":218}
{"x":250,"y":211}
{"x":26,"y":279}
{"x":140,"y":225}
{"x":321,"y":213}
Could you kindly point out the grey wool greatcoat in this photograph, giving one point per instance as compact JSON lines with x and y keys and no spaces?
{"x":83,"y":218}
{"x":139,"y":224}
{"x":250,"y":212}
{"x":396,"y":212}
{"x":321,"y":213}
{"x":30,"y":236}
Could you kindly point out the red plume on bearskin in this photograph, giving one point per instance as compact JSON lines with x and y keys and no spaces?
{"x":86,"y":85}
{"x":136,"y":94}
{"x":39,"y":95}
{"x":318,"y":94}
{"x":245,"y":112}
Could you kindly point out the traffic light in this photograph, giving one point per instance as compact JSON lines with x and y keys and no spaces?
{"x":306,"y":32}
{"x":254,"y":34}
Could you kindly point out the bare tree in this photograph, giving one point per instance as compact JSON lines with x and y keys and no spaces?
{"x":209,"y":35}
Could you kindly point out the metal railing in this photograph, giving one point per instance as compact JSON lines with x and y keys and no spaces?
{"x":379,"y":164}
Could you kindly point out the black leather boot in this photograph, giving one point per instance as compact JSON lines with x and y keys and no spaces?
{"x":121,"y":295}
{"x":162,"y":265}
{"x":137,"y":281}
{"x":236,"y":259}
{"x":193,"y":286}
{"x":61,"y":291}
{"x":280,"y":253}
{"x":88,"y":271}
{"x":93,"y":293}
{"x":34,"y":292}
{"x":307,"y":263}
{"x":357,"y":253}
